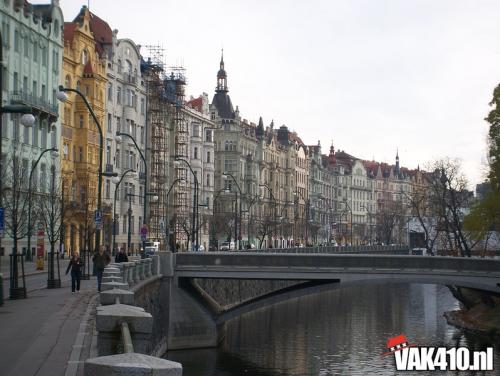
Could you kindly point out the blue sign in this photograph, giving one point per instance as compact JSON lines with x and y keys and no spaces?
{"x":2,"y":224}
{"x":97,"y":218}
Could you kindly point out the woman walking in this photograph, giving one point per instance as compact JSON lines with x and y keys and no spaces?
{"x":75,"y":264}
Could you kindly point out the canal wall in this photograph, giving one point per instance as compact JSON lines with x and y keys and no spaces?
{"x":480,"y":311}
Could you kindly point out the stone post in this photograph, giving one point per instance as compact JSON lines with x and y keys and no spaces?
{"x":131,"y":364}
{"x":142,"y":264}
{"x":154,"y":264}
{"x":136,"y":272}
{"x":148,"y":267}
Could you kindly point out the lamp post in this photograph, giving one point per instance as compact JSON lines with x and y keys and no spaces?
{"x":154,"y":198}
{"x":217,"y":194}
{"x":281,"y":219}
{"x":226,"y":174}
{"x":62,"y":96}
{"x":118,"y":137}
{"x":55,"y":154}
{"x":194,"y":231}
{"x":27,"y":119}
{"x":250,"y":204}
{"x":165,"y":220}
{"x":274,"y":202}
{"x":117,"y":181}
{"x":350,"y":211}
{"x":297,"y":194}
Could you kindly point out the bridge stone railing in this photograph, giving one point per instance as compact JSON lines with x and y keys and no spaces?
{"x":371,"y":249}
{"x":122,"y":324}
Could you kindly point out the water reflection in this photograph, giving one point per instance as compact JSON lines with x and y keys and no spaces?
{"x":339,"y":332}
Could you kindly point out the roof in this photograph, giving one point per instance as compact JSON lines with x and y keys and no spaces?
{"x":196,"y":103}
{"x":88,"y":68}
{"x":222,"y":102}
{"x":100,"y":28}
{"x":69,"y":31}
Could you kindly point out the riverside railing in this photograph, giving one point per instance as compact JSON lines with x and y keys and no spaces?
{"x":122,"y":326}
{"x":373,"y":249}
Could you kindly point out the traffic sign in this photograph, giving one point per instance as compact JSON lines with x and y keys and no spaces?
{"x":97,"y":217}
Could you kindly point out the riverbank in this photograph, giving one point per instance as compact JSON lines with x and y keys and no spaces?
{"x":479,"y":313}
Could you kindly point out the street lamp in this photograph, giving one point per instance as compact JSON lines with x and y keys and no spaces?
{"x":154,"y":198}
{"x":274,"y":202}
{"x":237,"y":230}
{"x":165,"y":220}
{"x":298,"y":194}
{"x":62,"y":96}
{"x":54,"y":154}
{"x":27,"y":119}
{"x":350,"y":211}
{"x":118,"y":138}
{"x":117,"y":180}
{"x":194,"y":230}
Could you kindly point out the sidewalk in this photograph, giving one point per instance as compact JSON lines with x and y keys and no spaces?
{"x":37,"y":335}
{"x":30,"y":268}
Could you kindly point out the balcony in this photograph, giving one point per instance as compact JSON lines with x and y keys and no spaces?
{"x":130,"y":78}
{"x":38,"y":104}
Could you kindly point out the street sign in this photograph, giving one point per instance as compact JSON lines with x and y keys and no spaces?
{"x":98,"y":219}
{"x":2,"y":225}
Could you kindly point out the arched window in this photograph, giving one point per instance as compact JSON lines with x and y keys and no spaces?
{"x":56,"y":28}
{"x":67,"y":81}
{"x":77,"y":85}
{"x":128,"y":66}
{"x":85,"y":57}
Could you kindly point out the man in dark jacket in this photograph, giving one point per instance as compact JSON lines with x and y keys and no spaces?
{"x":121,"y":256}
{"x":101,"y":259}
{"x":75,"y":264}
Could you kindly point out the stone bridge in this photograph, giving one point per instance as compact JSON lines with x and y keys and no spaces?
{"x":212,"y":288}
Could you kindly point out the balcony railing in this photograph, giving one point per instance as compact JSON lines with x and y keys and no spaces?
{"x":39,"y":103}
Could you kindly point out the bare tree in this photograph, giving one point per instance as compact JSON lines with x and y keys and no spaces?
{"x":50,"y":210}
{"x":388,"y":218}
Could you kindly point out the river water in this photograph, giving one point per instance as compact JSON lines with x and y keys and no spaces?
{"x":337,"y":332}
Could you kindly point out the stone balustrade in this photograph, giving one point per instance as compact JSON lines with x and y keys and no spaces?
{"x":118,"y":306}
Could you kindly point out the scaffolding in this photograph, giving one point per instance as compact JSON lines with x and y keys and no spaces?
{"x":168,"y":131}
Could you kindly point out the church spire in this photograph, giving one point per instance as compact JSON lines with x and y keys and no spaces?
{"x":397,"y":161}
{"x":221,"y":76}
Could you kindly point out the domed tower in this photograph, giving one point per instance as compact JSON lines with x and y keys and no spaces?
{"x":221,"y":99}
{"x":221,"y":76}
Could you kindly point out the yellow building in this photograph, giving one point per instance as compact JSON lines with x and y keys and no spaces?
{"x":84,"y":68}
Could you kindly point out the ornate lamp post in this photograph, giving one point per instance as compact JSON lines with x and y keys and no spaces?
{"x":117,"y":181}
{"x":238,"y":226}
{"x":54,"y":154}
{"x":194,"y":231}
{"x":118,"y":138}
{"x":165,"y":220}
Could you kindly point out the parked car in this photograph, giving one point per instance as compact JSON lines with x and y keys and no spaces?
{"x":418,"y":251}
{"x":226,"y":246}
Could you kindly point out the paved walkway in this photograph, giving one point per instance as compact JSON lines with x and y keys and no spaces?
{"x":37,"y":334}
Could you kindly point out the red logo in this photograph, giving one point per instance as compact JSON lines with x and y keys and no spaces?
{"x":396,"y":343}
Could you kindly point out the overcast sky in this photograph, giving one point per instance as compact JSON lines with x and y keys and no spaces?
{"x":371,"y":76}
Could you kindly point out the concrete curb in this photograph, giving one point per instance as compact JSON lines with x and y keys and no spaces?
{"x":83,"y":331}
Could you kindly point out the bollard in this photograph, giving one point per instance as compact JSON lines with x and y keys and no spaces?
{"x":142,"y":264}
{"x":149,"y":262}
{"x":136,"y":272}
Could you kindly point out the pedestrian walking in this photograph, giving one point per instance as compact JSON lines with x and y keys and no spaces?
{"x":100,"y":259}
{"x":121,"y":256}
{"x":75,"y":264}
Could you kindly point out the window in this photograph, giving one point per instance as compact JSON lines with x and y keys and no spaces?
{"x":118,"y":124}
{"x":26,"y":45}
{"x":34,"y":136}
{"x":6,"y":34}
{"x":119,"y":66}
{"x":85,"y":57}
{"x":208,"y":180}
{"x":43,"y":177}
{"x":209,"y":135}
{"x":196,"y":130}
{"x":108,"y":152}
{"x":142,"y":135}
{"x":108,"y":188}
{"x":124,"y":229}
{"x":110,"y":124}
{"x":44,"y":56}
{"x":143,"y":106}
{"x":26,"y":135}
{"x":35,"y":89}
{"x":119,"y":95}
{"x":16,"y":82}
{"x":117,"y":158}
{"x":208,"y":157}
{"x":80,"y":154}
{"x":16,"y":40}
{"x":15,"y":130}
{"x":110,"y":92}
{"x":195,"y":153}
{"x":35,"y":52}
{"x":230,"y":165}
{"x":81,"y":121}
